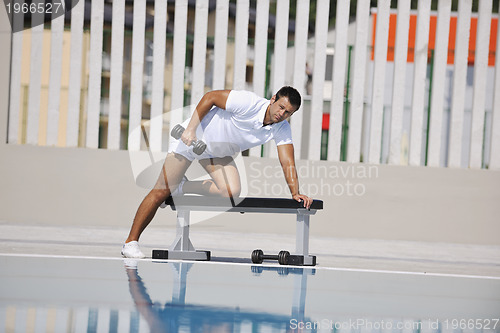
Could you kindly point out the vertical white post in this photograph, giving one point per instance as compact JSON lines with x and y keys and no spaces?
{"x":142,"y":324}
{"x":103,"y":320}
{"x":179,"y":61}
{"x":399,"y":78}
{"x":115,"y":83}
{"x":123,"y":320}
{"x":280,"y":44}
{"x":260,"y":50}
{"x":279,"y":66}
{"x":480,"y":73}
{"x":57,"y":27}
{"x":15,"y":81}
{"x":419,"y":79}
{"x":157,"y":93}
{"x":381,"y":41}
{"x":459,"y":83}
{"x":41,"y":318}
{"x":95,"y":69}
{"x":260,"y":61}
{"x":358,"y":81}
{"x":81,"y":320}
{"x":20,"y":321}
{"x":220,"y":44}
{"x":199,"y":51}
{"x":339,"y":72}
{"x":240,"y":44}
{"x":299,"y":69}
{"x":495,"y":127}
{"x":3,"y":314}
{"x":439,"y":77}
{"x":321,"y":34}
{"x":135,"y":114}
{"x":35,"y":80}
{"x":62,"y":317}
{"x":75,"y":73}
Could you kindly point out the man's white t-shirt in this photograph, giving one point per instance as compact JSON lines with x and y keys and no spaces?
{"x":236,"y":128}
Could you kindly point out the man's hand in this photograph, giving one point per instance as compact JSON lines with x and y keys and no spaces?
{"x":188,"y":137}
{"x":303,"y":198}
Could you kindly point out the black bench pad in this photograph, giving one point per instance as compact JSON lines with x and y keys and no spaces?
{"x":241,"y":203}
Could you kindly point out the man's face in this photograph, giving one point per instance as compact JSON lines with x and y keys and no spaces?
{"x":280,"y":109}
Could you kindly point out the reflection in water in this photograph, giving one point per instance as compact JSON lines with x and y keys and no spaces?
{"x":177,"y":316}
{"x":89,"y":295}
{"x":80,"y":314}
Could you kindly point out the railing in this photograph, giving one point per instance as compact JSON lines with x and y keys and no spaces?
{"x":71,"y":115}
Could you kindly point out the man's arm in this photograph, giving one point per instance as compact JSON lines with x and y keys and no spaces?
{"x":210,"y":99}
{"x":287,"y":160}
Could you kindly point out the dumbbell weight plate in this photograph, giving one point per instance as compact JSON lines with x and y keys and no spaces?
{"x":177,"y":131}
{"x":283,"y":257}
{"x":199,"y":147}
{"x":257,"y":256}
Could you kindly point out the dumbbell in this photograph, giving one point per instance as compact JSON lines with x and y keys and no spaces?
{"x":198,"y":145}
{"x":258,"y":257}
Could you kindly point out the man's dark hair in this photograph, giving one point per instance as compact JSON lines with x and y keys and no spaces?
{"x":292,"y":94}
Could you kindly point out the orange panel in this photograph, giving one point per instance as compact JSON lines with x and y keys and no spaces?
{"x":493,"y":42}
{"x":432,"y":38}
{"x":451,"y":40}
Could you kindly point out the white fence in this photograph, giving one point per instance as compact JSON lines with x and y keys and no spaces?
{"x":82,"y":122}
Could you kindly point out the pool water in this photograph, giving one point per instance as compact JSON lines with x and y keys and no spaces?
{"x":72,"y":294}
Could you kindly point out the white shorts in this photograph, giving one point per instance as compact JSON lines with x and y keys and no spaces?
{"x":179,"y":147}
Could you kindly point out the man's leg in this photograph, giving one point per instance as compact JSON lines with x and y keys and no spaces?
{"x":225,"y":180}
{"x":173,"y":170}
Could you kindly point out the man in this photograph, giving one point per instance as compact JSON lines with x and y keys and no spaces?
{"x":228,"y":121}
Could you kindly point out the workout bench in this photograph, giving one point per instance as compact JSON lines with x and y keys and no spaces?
{"x":183,"y":249}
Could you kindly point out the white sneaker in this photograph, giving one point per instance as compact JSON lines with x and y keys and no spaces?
{"x":132,"y":250}
{"x":178,"y":191}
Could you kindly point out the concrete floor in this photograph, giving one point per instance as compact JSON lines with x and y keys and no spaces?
{"x":406,"y":256}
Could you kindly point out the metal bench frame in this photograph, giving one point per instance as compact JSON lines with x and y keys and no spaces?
{"x":182,"y":248}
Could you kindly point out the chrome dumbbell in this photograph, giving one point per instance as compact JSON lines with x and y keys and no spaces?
{"x":198,"y":145}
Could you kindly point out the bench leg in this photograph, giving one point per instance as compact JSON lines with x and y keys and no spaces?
{"x":182,"y":248}
{"x":302,"y":242}
{"x":182,"y":241}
